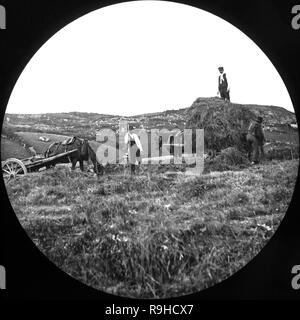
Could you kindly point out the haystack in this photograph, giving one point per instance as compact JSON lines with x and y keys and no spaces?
{"x":225,"y":124}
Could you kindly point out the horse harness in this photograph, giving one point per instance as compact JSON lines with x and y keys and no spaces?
{"x":69,"y":142}
{"x":65,"y":143}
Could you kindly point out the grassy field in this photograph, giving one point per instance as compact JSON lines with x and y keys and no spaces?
{"x":13,"y":149}
{"x":291,"y":137}
{"x":153,"y":236}
{"x":32,"y":139}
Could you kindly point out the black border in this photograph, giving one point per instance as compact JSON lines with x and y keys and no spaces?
{"x":30,"y":275}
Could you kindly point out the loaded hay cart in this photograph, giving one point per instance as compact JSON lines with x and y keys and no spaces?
{"x":13,"y":167}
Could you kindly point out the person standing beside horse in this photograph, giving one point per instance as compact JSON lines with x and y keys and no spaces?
{"x":134,"y":149}
{"x":256,"y":139}
{"x":80,"y":147}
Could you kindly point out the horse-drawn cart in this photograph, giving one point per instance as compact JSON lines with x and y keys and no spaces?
{"x":13,"y":167}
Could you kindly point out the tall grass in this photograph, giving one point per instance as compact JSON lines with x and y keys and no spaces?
{"x":153,"y":236}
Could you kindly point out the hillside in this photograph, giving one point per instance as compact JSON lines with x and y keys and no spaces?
{"x":279,"y":123}
{"x":272,"y":115}
{"x":87,"y":123}
{"x":13,"y":149}
{"x":23,"y":145}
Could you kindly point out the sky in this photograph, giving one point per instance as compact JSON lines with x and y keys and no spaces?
{"x":141,"y":57}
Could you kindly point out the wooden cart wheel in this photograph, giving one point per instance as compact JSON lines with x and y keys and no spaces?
{"x":13,"y":167}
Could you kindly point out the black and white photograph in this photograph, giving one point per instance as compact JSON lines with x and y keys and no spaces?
{"x":149,"y":149}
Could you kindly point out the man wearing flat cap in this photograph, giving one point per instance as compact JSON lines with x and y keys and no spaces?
{"x":256,"y":140}
{"x":223,"y":87}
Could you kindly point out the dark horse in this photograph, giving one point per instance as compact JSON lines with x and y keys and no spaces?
{"x":84,"y":153}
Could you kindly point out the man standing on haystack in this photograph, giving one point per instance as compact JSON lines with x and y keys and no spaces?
{"x":223,"y":86}
{"x":134,"y":149}
{"x":256,"y":139}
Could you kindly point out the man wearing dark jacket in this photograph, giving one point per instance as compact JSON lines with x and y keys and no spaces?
{"x":256,"y":139}
{"x":223,"y":87}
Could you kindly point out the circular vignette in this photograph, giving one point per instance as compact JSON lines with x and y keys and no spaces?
{"x":152,"y":236}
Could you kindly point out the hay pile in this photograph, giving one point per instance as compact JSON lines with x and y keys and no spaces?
{"x":228,"y":159}
{"x":281,"y":151}
{"x":225,"y":124}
